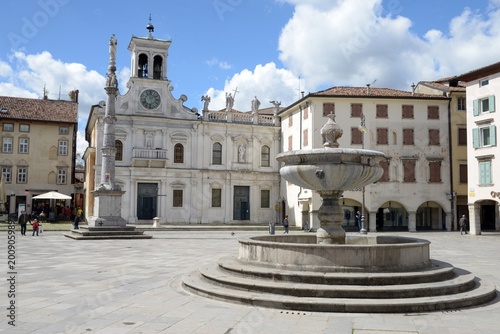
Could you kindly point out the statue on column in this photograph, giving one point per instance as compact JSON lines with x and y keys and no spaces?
{"x":276,"y":106}
{"x":255,"y":105}
{"x":206,"y":99}
{"x":229,"y":102}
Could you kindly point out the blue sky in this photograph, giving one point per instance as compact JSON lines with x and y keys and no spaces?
{"x":264,"y":48}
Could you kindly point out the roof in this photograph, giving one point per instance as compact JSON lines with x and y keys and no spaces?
{"x":445,"y":88}
{"x":19,"y":108}
{"x":479,"y":73}
{"x":366,"y":92}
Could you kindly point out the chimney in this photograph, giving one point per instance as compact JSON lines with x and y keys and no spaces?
{"x":413,"y":89}
{"x":367,"y":89}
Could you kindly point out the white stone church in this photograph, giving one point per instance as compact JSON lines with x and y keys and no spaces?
{"x":178,"y":165}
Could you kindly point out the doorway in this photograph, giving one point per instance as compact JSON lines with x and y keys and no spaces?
{"x":241,"y":203}
{"x":147,"y":197}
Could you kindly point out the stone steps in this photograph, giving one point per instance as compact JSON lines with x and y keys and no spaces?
{"x":441,"y":287}
{"x":101,"y":233}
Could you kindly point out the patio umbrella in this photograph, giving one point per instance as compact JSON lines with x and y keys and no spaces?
{"x":52,"y":195}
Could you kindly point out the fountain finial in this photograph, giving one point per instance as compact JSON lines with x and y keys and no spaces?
{"x":331,"y":131}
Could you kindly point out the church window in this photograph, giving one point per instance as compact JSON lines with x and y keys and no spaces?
{"x":143,"y":66}
{"x":177,"y":198}
{"x":265,"y":156}
{"x":217,"y":154}
{"x":157,"y":67}
{"x":178,"y":154}
{"x":119,"y":150}
{"x":216,"y":198}
{"x":265,"y":198}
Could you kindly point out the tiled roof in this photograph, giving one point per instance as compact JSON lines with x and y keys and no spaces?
{"x":38,"y":110}
{"x":443,"y":87}
{"x":480,"y":72}
{"x":372,"y":92}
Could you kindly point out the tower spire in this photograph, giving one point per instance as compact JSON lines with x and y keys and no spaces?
{"x":150,"y":27}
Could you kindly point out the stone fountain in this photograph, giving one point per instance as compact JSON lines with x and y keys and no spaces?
{"x":332,"y":271}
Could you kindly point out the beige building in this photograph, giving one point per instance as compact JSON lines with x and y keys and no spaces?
{"x":38,"y":149}
{"x":455,"y":90}
{"x":410,"y":128}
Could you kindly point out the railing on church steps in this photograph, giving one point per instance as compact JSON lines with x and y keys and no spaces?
{"x":148,"y":153}
{"x":240,"y":118}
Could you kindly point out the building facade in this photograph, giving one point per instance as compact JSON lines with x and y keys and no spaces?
{"x":178,"y":165}
{"x":483,"y":89}
{"x":38,"y":150}
{"x":410,"y":128}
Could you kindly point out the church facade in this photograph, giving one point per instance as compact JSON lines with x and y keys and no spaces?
{"x":177,"y":165}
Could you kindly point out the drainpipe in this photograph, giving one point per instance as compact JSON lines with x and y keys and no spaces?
{"x":450,"y":153}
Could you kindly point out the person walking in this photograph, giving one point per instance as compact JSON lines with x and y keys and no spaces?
{"x":463,"y":224}
{"x":36,"y":226}
{"x":24,"y":219}
{"x":77,"y":221}
{"x":358,"y":220}
{"x":285,"y":224}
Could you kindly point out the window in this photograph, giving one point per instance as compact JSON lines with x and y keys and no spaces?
{"x":486,"y":105}
{"x":328,"y":108}
{"x":23,"y":145}
{"x":356,"y":136}
{"x":407,"y":111}
{"x":382,"y":111}
{"x":383,"y":136}
{"x":216,"y":198}
{"x":61,"y":176}
{"x":484,"y":82}
{"x":22,"y":175}
{"x":177,"y":198}
{"x":462,"y":173}
{"x":462,"y":136}
{"x":7,"y":174}
{"x":432,"y":112}
{"x":8,"y":127}
{"x":217,"y":153}
{"x":265,"y":201}
{"x":265,"y":152}
{"x":306,"y":137}
{"x":7,"y":145}
{"x":63,"y":147}
{"x":433,"y":136}
{"x":408,"y":138}
{"x":409,"y":170}
{"x":306,"y":113}
{"x":290,"y":143}
{"x":24,"y":128}
{"x":178,"y":154}
{"x":119,"y":150}
{"x":63,"y":130}
{"x":434,"y":171}
{"x":485,"y":172}
{"x":484,"y":137}
{"x":385,"y":167}
{"x":461,"y":103}
{"x":290,"y":120}
{"x":356,"y":109}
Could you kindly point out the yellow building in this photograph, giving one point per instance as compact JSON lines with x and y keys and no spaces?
{"x":38,"y":150}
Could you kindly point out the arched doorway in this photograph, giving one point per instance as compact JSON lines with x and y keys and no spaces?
{"x":392,"y":216}
{"x":430,"y":216}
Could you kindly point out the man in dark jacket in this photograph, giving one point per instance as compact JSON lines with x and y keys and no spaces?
{"x":24,"y":219}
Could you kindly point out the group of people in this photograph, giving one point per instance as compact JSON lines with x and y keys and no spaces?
{"x":24,"y":220}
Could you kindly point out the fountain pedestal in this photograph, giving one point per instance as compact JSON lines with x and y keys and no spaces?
{"x":330,"y":215}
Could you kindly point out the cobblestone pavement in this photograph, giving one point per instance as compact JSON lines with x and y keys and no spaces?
{"x":134,"y":286}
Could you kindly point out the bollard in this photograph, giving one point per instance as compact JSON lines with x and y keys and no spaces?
{"x":272,"y":226}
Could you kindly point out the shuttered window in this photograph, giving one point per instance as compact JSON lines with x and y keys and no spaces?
{"x":433,"y":137}
{"x":382,"y":136}
{"x":409,"y":170}
{"x":435,"y":171}
{"x":382,"y":111}
{"x":408,"y":138}
{"x":432,"y":112}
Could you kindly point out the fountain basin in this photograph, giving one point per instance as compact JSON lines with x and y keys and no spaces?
{"x":360,"y":253}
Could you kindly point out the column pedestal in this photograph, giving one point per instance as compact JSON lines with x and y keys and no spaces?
{"x":107,"y":209}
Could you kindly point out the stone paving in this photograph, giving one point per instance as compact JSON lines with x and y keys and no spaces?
{"x":133,"y":286}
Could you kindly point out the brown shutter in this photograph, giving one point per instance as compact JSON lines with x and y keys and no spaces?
{"x":382,"y":111}
{"x":356,"y":136}
{"x":408,"y":137}
{"x":432,"y":112}
{"x":385,"y":167}
{"x":328,"y":108}
{"x":433,"y":137}
{"x":463,"y":173}
{"x":409,"y":171}
{"x":407,"y":111}
{"x":462,"y":137}
{"x":383,"y":136}
{"x":435,"y":171}
{"x":356,"y":109}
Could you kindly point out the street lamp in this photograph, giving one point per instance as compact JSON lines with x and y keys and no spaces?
{"x":362,"y":129}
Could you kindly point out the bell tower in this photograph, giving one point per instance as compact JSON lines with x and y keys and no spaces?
{"x":149,"y":56}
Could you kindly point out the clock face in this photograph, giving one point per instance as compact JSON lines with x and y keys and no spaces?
{"x":150,"y":99}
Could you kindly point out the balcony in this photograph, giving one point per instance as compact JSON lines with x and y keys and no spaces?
{"x":148,"y":157}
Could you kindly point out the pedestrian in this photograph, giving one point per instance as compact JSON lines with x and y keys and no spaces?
{"x":463,"y":224}
{"x":285,"y":224}
{"x":24,"y":219}
{"x":36,"y":226}
{"x":358,"y":220}
{"x":78,"y":219}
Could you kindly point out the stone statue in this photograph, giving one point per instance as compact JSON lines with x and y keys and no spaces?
{"x":276,"y":106}
{"x":229,"y":102}
{"x":255,"y":105}
{"x":112,"y":48}
{"x":241,"y":153}
{"x":206,"y":100}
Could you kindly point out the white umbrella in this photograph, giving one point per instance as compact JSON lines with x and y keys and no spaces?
{"x":52,"y":195}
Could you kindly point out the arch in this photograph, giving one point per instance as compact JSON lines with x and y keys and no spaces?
{"x":53,"y":153}
{"x":392,"y":216}
{"x":51,"y":178}
{"x":142,"y":66}
{"x":430,"y":216}
{"x":157,"y":67}
{"x":178,"y":153}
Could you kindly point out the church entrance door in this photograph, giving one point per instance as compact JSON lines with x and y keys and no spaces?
{"x":241,"y":203}
{"x":147,"y":196}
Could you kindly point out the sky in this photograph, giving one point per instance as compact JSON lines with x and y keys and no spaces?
{"x":272,"y":49}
